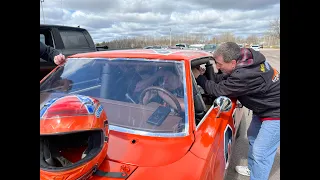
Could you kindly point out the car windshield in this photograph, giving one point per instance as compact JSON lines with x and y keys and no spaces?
{"x":135,"y":93}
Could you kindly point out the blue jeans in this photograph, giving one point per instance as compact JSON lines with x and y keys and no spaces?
{"x":264,"y":139}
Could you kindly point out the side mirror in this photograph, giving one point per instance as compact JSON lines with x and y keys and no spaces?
{"x":101,"y":48}
{"x":239,"y":105}
{"x":223,"y":103}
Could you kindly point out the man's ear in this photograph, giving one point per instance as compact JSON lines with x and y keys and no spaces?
{"x":234,"y":62}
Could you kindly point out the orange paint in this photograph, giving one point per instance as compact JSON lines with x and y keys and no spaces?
{"x":199,"y":155}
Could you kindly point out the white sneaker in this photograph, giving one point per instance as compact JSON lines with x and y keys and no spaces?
{"x":243,"y":170}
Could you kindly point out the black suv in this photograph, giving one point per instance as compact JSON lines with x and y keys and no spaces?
{"x":68,"y":40}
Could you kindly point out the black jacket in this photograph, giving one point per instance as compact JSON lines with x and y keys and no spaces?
{"x":253,"y":82}
{"x":47,"y":53}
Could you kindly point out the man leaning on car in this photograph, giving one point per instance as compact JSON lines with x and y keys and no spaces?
{"x":251,"y":79}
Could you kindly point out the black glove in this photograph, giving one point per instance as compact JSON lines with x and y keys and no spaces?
{"x":201,"y":81}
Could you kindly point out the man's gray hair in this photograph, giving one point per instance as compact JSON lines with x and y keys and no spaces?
{"x":229,"y":51}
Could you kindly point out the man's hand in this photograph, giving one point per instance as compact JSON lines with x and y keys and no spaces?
{"x":195,"y":72}
{"x":149,"y":81}
{"x":172,"y":104}
{"x":148,"y":96}
{"x":202,"y":70}
{"x":198,"y":71}
{"x":59,"y":59}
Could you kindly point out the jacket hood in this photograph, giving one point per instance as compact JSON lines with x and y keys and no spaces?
{"x":249,"y":57}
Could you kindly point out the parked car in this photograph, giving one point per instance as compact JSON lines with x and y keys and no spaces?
{"x":68,"y":40}
{"x":255,"y":47}
{"x":196,"y":46}
{"x":180,"y":133}
{"x":210,"y":48}
{"x":182,"y":45}
{"x":153,"y":47}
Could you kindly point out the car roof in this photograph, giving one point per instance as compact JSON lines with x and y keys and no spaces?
{"x":59,"y":26}
{"x":166,"y":54}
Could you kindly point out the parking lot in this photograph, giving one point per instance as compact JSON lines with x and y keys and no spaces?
{"x":239,"y":154}
{"x":272,"y":56}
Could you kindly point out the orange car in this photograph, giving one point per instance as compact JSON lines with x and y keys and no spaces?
{"x":162,"y":125}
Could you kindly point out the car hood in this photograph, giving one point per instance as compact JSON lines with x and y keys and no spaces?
{"x":147,"y":151}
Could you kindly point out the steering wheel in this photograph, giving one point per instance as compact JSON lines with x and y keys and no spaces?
{"x":157,"y":88}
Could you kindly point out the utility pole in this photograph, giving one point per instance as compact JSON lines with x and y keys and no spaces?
{"x":62,"y":11}
{"x":41,"y":1}
{"x":170,"y":36}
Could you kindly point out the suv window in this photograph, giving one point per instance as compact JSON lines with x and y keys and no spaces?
{"x":46,"y":37}
{"x":74,"y":39}
{"x":42,"y":38}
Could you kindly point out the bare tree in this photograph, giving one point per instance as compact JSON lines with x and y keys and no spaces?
{"x":275,"y":28}
{"x":226,"y":37}
{"x":240,"y":40}
{"x":252,"y":39}
{"x":189,"y":38}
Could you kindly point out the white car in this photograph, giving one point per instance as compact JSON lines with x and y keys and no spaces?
{"x":196,"y":46}
{"x":255,"y":47}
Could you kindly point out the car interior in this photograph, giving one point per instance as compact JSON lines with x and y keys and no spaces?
{"x":202,"y":100}
{"x":120,"y":101}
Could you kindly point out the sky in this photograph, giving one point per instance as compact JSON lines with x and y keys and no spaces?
{"x":113,"y":19}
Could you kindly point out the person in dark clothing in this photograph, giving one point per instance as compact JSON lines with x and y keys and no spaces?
{"x":50,"y":54}
{"x":251,"y":79}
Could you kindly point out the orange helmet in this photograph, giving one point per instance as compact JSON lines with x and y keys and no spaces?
{"x":73,"y":137}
